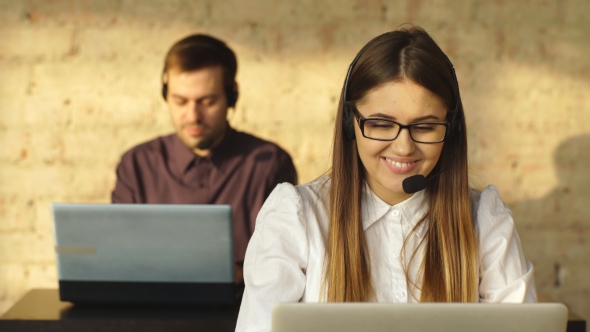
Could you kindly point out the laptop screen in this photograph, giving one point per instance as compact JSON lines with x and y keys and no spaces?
{"x":142,"y":248}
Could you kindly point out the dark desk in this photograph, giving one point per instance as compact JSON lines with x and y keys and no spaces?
{"x":41,"y":310}
{"x":575,"y":323}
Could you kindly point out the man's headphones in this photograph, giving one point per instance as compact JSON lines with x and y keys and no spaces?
{"x":216,"y":47}
{"x":349,"y":110}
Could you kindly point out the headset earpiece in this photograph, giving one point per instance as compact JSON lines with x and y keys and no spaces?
{"x":349,"y":110}
{"x":456,"y":121}
{"x":231,"y":96}
{"x":347,"y":121}
{"x":165,"y":91}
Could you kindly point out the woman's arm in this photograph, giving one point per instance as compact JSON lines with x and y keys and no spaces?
{"x":507,"y":276}
{"x":276,"y":259}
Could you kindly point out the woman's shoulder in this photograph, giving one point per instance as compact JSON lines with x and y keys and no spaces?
{"x":489,"y":197}
{"x":306,"y":202}
{"x":489,"y":210}
{"x":300,"y":196}
{"x":318,"y":188}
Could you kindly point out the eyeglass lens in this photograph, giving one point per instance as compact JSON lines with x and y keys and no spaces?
{"x":389,"y":130}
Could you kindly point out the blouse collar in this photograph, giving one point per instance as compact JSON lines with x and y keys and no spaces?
{"x":374,"y":208}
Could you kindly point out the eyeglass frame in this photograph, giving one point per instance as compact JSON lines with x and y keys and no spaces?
{"x":361,"y":123}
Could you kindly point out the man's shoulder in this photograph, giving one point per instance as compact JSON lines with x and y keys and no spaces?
{"x":266,"y":160}
{"x":151,"y":148}
{"x":254,"y":144}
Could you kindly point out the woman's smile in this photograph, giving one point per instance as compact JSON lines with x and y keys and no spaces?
{"x":400,"y":167}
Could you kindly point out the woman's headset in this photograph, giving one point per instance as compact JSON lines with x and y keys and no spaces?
{"x":349,"y":110}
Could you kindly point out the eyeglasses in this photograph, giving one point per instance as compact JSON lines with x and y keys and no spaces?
{"x":387,"y":130}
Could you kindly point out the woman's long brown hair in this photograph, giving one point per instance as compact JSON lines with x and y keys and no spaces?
{"x":449,"y":269}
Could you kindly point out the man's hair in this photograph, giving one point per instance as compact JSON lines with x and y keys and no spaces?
{"x":200,"y":51}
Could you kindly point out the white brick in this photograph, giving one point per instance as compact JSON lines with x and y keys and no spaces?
{"x":36,"y":43}
{"x":64,"y":12}
{"x":433,"y":14}
{"x":12,"y":12}
{"x":15,"y":79}
{"x":119,"y":110}
{"x":300,"y":12}
{"x":95,"y":80}
{"x":24,"y":277}
{"x":167,"y":12}
{"x":129,"y":44}
{"x":34,"y":181}
{"x":93,"y":147}
{"x":39,"y":112}
{"x":555,"y":245}
{"x":17,"y":214}
{"x":16,"y":145}
{"x":27,"y":248}
{"x":519,"y":13}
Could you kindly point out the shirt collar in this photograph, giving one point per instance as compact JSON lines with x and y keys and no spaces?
{"x":226,"y":146}
{"x":180,"y":155}
{"x":374,"y":208}
{"x":184,"y":157}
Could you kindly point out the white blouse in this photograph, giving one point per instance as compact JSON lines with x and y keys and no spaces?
{"x":285,"y":256}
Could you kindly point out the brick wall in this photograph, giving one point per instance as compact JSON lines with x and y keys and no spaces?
{"x":79,"y":84}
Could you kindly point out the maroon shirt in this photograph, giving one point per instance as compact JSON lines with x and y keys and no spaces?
{"x":241,"y":171}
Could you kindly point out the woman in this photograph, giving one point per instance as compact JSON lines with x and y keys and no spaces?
{"x":374,"y":230}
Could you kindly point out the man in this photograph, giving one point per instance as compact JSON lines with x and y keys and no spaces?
{"x":205,"y":161}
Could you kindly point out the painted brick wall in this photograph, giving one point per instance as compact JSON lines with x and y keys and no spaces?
{"x":79,"y":84}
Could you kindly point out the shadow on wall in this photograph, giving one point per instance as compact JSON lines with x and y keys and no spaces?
{"x":555,"y":229}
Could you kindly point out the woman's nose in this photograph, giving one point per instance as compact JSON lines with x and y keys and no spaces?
{"x":403,"y":145}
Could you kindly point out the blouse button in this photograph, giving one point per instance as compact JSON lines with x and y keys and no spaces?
{"x":396,"y":213}
{"x":400,"y":294}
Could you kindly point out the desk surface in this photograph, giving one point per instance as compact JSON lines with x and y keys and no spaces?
{"x":41,"y":310}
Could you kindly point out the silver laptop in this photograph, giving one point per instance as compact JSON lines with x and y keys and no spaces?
{"x":144,"y":253}
{"x":423,"y":317}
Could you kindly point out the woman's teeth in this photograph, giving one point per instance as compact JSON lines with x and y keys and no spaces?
{"x":398,"y":165}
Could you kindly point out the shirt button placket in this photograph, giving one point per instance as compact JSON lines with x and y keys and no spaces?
{"x":206,"y":171}
{"x":397,"y":278}
{"x":204,"y":179}
{"x":400,"y":294}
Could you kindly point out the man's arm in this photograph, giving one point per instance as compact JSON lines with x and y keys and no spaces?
{"x":281,"y":170}
{"x":285,"y":172}
{"x":126,"y":185}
